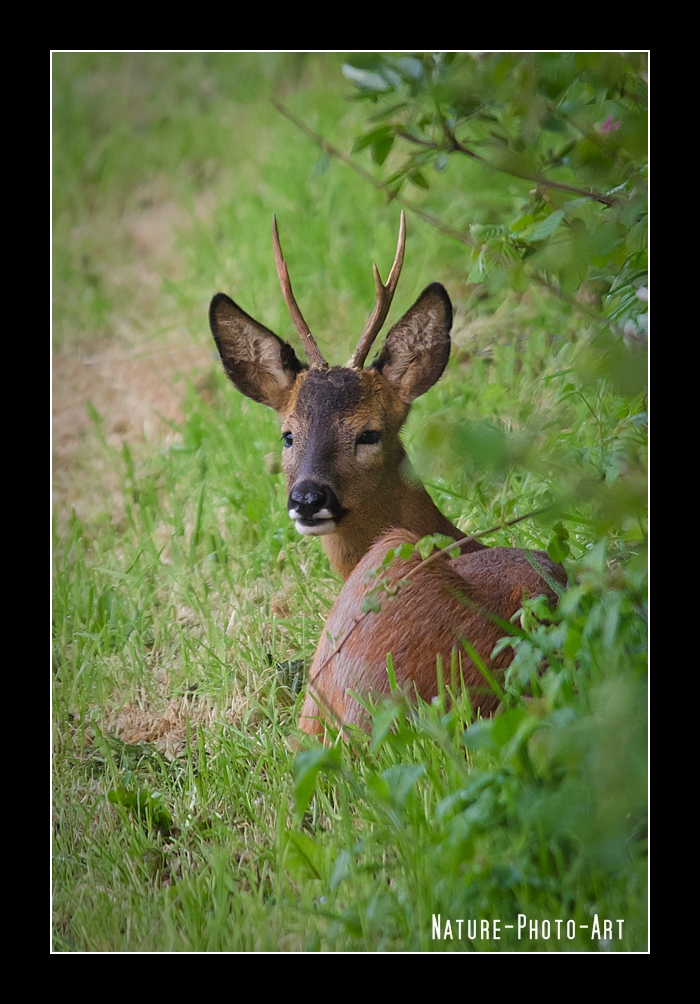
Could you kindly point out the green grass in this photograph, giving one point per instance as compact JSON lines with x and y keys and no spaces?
{"x":186,"y":607}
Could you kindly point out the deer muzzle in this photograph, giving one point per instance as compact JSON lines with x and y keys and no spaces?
{"x":314,"y":508}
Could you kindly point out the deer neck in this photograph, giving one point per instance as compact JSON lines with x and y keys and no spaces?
{"x":405,"y":505}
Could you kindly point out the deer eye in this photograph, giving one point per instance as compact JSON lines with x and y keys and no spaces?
{"x":287,"y":439}
{"x":368,"y":438}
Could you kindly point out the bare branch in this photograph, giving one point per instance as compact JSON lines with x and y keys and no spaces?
{"x":537,"y":179}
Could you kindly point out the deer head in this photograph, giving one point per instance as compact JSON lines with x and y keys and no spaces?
{"x":348,"y":477}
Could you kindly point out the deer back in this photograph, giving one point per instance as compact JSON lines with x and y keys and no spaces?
{"x":436,"y":606}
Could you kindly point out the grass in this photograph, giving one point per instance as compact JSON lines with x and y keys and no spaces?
{"x":186,"y":608}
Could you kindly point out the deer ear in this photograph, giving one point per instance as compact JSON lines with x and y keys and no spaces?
{"x":418,"y":346}
{"x":259,"y":363}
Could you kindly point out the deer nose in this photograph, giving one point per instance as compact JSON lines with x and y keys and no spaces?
{"x":310,"y":500}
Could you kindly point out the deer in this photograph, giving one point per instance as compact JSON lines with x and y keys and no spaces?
{"x":349,"y":481}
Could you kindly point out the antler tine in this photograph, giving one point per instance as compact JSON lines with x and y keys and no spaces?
{"x":309,"y":342}
{"x":384,"y":296}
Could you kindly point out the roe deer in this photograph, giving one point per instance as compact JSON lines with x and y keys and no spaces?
{"x":349,"y":481}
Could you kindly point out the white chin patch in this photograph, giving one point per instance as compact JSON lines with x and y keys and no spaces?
{"x":319,"y":528}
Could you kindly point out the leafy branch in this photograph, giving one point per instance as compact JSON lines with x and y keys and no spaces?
{"x":484,"y":251}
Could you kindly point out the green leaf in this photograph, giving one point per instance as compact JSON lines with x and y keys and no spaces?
{"x":304,"y":857}
{"x":400,"y":779}
{"x":350,"y":919}
{"x":405,"y":551}
{"x":381,"y":148}
{"x":372,"y":137}
{"x":437,"y":540}
{"x":371,"y":604}
{"x":379,"y":787}
{"x":506,"y":725}
{"x":573,"y":641}
{"x":478,"y":735}
{"x":552,"y":124}
{"x":547,"y":226}
{"x":419,"y":179}
{"x":637,"y":238}
{"x":390,"y":672}
{"x":382,"y":721}
{"x":305,"y":772}
{"x":557,"y":547}
{"x":477,"y":273}
{"x":145,"y":805}
{"x":341,"y":870}
{"x":522,"y":223}
{"x":384,"y":113}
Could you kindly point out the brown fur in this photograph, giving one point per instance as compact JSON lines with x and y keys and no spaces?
{"x":442,"y":602}
{"x":375,"y":484}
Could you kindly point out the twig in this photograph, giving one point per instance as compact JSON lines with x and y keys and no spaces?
{"x":607,"y":200}
{"x":381,"y":186}
{"x":431,"y":557}
{"x":538,"y":179}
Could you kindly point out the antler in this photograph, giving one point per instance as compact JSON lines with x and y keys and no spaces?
{"x":309,"y":342}
{"x":385,"y":294}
